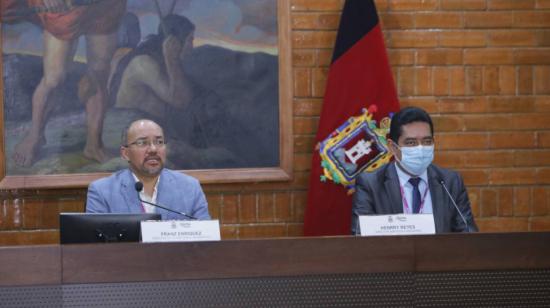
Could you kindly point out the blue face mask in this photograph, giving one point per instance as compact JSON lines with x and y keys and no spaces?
{"x":415,"y":160}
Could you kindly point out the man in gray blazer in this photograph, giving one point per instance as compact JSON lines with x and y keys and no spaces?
{"x":144,"y":147}
{"x":412,"y":184}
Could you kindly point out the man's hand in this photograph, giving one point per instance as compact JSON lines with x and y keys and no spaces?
{"x":171,"y":48}
{"x":55,"y":6}
{"x":187,"y":47}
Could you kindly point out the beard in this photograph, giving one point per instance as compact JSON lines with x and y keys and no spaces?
{"x":151,"y":166}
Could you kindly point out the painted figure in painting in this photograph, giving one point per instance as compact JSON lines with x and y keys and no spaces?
{"x":63,"y":24}
{"x":164,"y":78}
{"x":151,"y":77}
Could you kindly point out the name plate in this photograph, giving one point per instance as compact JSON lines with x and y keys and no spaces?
{"x":400,"y":224}
{"x":180,"y":231}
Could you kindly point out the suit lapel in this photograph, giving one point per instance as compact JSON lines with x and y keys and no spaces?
{"x":391,"y":184}
{"x":128,"y":191}
{"x":436,"y":192}
{"x":164,"y":197}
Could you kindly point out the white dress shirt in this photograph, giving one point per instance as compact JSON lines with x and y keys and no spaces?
{"x":153,"y":199}
{"x":407,"y":189}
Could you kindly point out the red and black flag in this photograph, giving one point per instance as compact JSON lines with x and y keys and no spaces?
{"x":359,"y":77}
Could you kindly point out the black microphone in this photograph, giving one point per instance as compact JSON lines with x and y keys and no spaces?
{"x":139,"y":188}
{"x":456,"y":206}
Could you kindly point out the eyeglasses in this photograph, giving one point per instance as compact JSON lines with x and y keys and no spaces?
{"x":144,"y":143}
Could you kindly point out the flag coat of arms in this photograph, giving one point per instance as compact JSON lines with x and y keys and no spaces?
{"x":360,"y":97}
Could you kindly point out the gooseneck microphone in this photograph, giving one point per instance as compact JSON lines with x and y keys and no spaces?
{"x":139,"y":187}
{"x":456,"y":206}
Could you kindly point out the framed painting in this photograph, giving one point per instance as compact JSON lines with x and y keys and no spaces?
{"x":215,"y":74}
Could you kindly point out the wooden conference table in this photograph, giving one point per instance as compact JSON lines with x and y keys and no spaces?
{"x":468,"y":270}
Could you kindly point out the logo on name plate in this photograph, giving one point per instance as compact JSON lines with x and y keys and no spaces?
{"x":390,"y":218}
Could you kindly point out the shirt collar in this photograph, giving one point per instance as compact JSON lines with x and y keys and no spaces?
{"x":154,"y":188}
{"x":404,"y":177}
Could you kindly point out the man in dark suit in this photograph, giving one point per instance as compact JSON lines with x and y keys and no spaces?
{"x":412,"y":184}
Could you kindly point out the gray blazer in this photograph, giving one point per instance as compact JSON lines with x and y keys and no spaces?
{"x":378,"y":193}
{"x":177,"y":191}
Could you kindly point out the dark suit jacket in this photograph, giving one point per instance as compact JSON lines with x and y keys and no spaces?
{"x":176,"y":191}
{"x":378,"y":193}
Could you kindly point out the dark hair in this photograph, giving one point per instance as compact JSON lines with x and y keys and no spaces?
{"x":176,"y":25}
{"x":406,"y":116}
